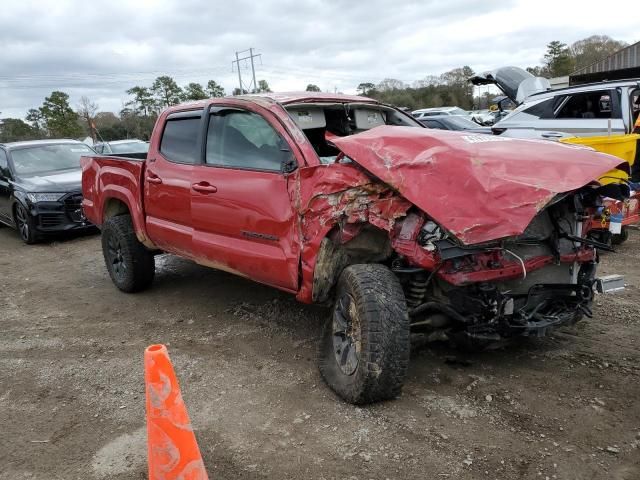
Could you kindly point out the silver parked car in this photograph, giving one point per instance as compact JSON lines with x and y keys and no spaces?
{"x":581,"y":110}
{"x":116,"y":147}
{"x":437,"y":111}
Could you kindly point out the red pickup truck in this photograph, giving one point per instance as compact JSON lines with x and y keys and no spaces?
{"x":343,"y":200}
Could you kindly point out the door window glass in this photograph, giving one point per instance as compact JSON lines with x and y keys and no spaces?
{"x":244,"y":139}
{"x":4,"y":163}
{"x":433,"y":124}
{"x":542,"y":110}
{"x":589,"y":105}
{"x":180,"y":140}
{"x":635,"y":106}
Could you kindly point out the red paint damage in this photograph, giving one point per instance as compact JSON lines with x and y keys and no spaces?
{"x":478,"y":187}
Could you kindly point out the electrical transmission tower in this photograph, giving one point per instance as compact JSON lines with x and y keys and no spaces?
{"x":253,"y":86}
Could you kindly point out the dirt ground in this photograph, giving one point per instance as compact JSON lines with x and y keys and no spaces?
{"x":72,"y":392}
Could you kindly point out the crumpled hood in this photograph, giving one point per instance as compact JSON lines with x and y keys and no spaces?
{"x":479,"y":187}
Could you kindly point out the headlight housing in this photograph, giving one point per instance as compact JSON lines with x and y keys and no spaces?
{"x":45,"y":197}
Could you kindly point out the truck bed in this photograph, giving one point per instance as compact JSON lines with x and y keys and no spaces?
{"x":115,"y":177}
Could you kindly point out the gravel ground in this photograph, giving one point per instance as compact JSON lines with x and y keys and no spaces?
{"x":72,"y":392}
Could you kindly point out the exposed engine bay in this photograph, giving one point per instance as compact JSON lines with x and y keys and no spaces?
{"x":523,"y":285}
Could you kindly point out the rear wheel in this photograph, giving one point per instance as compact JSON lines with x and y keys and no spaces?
{"x":620,"y":238}
{"x":364,"y":351}
{"x":131,"y":266}
{"x":25,"y":224}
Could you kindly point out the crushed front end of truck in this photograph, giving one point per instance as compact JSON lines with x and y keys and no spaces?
{"x":489,"y":237}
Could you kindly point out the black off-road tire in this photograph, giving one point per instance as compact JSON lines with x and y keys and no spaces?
{"x":131,"y":266}
{"x":379,"y":322}
{"x":620,"y":238}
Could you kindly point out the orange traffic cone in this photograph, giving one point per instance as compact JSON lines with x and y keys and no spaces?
{"x":173,"y":452}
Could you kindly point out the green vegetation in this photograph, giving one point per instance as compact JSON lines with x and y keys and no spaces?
{"x":450,"y":88}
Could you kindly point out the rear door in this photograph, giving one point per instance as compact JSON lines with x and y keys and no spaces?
{"x":167,"y":183}
{"x":587,"y":114}
{"x":582,"y":114}
{"x":5,"y":188}
{"x":242,"y":213}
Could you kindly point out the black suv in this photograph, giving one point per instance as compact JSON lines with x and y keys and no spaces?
{"x":41,"y":187}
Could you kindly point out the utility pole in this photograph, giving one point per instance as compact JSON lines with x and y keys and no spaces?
{"x":237,"y":61}
{"x":253,"y":70}
{"x":239,"y":74}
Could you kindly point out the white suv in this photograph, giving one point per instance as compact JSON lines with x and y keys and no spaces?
{"x":582,"y":110}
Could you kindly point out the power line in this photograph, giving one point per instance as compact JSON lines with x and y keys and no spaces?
{"x":237,"y":61}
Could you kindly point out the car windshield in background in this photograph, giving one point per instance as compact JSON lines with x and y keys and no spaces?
{"x":129,"y":147}
{"x":461,"y":123}
{"x":48,"y":158}
{"x":458,"y":111}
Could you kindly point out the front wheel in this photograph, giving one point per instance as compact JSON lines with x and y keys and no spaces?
{"x":364,"y":351}
{"x":25,"y":224}
{"x":131,"y":266}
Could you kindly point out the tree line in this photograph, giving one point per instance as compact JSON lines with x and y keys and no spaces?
{"x":453,"y":89}
{"x":561,"y":59}
{"x":450,"y":88}
{"x":56,"y":118}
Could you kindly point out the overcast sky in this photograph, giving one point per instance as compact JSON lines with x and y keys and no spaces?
{"x":100,"y":48}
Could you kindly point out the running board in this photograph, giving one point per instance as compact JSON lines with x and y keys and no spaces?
{"x":610,"y":284}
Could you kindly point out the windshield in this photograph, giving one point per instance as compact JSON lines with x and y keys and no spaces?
{"x":458,"y":111}
{"x":461,"y":123}
{"x":48,"y":158}
{"x":129,"y":147}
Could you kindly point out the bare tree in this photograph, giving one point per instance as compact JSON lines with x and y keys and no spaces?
{"x":87,"y":112}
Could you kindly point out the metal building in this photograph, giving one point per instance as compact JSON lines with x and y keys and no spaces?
{"x":623,"y":64}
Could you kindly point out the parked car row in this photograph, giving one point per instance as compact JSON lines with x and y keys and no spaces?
{"x":437,"y":111}
{"x":40,"y":184}
{"x":40,"y":187}
{"x":480,"y":117}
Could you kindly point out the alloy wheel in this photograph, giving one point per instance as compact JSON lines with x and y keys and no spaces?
{"x":346,"y":335}
{"x":116,"y":257}
{"x":22,"y":222}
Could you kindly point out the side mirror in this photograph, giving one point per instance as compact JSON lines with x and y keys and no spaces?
{"x":289,"y":163}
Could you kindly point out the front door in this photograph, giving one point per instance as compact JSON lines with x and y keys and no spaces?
{"x":5,"y":188}
{"x":242,"y":214}
{"x":167,"y":198}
